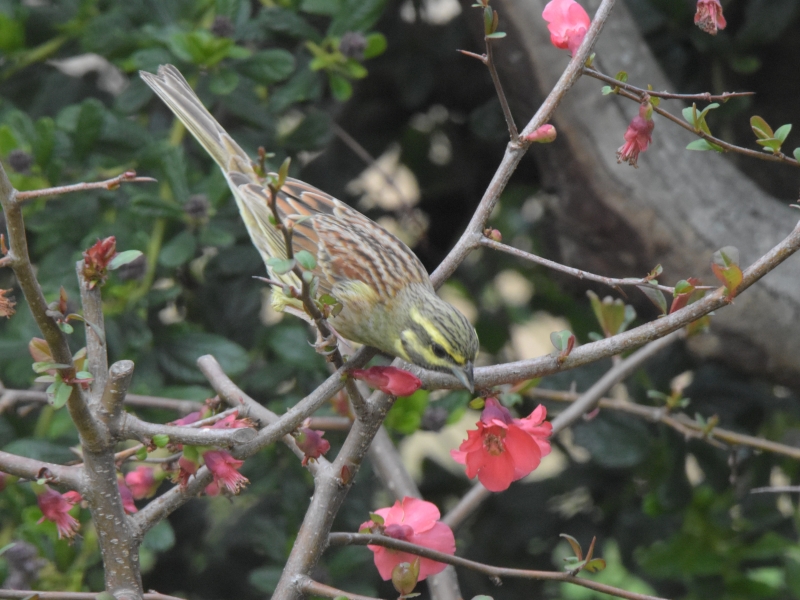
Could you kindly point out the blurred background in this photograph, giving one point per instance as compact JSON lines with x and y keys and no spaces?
{"x":375,"y":106}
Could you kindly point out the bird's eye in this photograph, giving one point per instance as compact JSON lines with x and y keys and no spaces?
{"x":438,"y":351}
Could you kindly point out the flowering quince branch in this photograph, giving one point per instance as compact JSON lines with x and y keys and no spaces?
{"x":640,"y":95}
{"x":580,"y":274}
{"x":690,"y":428}
{"x":360,"y":539}
{"x":108,"y":184}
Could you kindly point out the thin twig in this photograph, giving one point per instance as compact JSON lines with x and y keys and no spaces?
{"x":108,"y":184}
{"x":501,"y":95}
{"x":361,"y":539}
{"x":609,"y":281}
{"x":315,"y":588}
{"x":23,"y":594}
{"x":704,"y":97}
{"x":640,"y":95}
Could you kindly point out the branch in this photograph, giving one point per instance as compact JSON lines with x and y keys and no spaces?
{"x":25,"y":594}
{"x":246,"y":406}
{"x":315,"y":588}
{"x":471,"y":237}
{"x":639,"y":95}
{"x":360,"y":539}
{"x":29,"y":468}
{"x":682,"y":423}
{"x":20,"y":262}
{"x":131,"y":427}
{"x":486,"y":377}
{"x":118,"y":380}
{"x":108,"y":184}
{"x":96,"y":353}
{"x":609,"y":281}
{"x":9,"y":398}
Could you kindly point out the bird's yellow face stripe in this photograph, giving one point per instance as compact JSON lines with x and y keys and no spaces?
{"x":435,"y":335}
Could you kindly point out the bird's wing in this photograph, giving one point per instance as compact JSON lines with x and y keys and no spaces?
{"x":347,"y":245}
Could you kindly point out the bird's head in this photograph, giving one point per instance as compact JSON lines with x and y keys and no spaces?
{"x":436,"y":336}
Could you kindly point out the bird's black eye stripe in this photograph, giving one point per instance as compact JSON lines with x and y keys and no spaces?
{"x":438,"y":351}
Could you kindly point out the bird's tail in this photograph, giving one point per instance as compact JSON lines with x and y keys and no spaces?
{"x":176,"y":93}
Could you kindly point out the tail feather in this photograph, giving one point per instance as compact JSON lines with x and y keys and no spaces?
{"x":178,"y":95}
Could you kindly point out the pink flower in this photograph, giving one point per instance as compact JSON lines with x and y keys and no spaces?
{"x":188,"y":464}
{"x":55,"y":507}
{"x":709,"y":16}
{"x":504,"y":449}
{"x":311,"y":442}
{"x":389,"y":380}
{"x":126,"y":496}
{"x":637,"y":136}
{"x":567,"y":23}
{"x":226,"y":470}
{"x":415,"y":521}
{"x":142,"y":482}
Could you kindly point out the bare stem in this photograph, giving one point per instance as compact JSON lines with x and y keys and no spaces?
{"x":96,"y":352}
{"x":315,"y":588}
{"x":108,"y":184}
{"x":360,"y":539}
{"x":29,"y":468}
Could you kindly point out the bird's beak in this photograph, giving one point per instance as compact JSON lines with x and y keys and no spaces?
{"x":465,"y":376}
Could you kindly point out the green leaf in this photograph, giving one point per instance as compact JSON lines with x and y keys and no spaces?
{"x":655,"y":296}
{"x":342,"y":89}
{"x":782,"y":132}
{"x":496,"y":35}
{"x":123,"y":258}
{"x":725,"y":257}
{"x":141,"y":453}
{"x":406,"y":413}
{"x":61,"y":394}
{"x":178,"y":250}
{"x":88,"y":127}
{"x":376,"y":45}
{"x":268,"y":66}
{"x":224,"y":82}
{"x":701,"y":145}
{"x":796,"y":154}
{"x":43,"y":367}
{"x":12,"y":34}
{"x":280,"y":266}
{"x":606,"y":90}
{"x":65,"y":327}
{"x":306,"y":260}
{"x":177,"y":356}
{"x":760,"y":128}
{"x":595,"y":565}
{"x":160,"y":440}
{"x":355,"y":15}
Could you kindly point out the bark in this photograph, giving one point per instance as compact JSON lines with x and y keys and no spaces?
{"x":676,"y":209}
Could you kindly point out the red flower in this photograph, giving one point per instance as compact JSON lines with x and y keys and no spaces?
{"x":226,"y":470}
{"x":709,"y":16}
{"x":415,"y":521}
{"x":504,"y":449}
{"x":567,"y":23}
{"x":637,"y":136}
{"x":126,"y":496}
{"x":311,"y":442}
{"x":96,"y":260}
{"x":389,"y":380}
{"x":142,"y":482}
{"x":55,"y":507}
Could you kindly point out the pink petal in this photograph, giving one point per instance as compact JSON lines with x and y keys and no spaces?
{"x":420,"y":515}
{"x":497,"y":472}
{"x":524,"y":451}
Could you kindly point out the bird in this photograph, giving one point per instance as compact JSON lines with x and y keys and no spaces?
{"x":388,"y":301}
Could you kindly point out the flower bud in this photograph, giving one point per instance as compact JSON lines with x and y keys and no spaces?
{"x":404,"y":577}
{"x":543,"y":135}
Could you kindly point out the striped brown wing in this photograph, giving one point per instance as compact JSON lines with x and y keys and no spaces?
{"x":348,"y":246}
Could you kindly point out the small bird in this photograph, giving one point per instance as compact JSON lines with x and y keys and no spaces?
{"x":388,"y":301}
